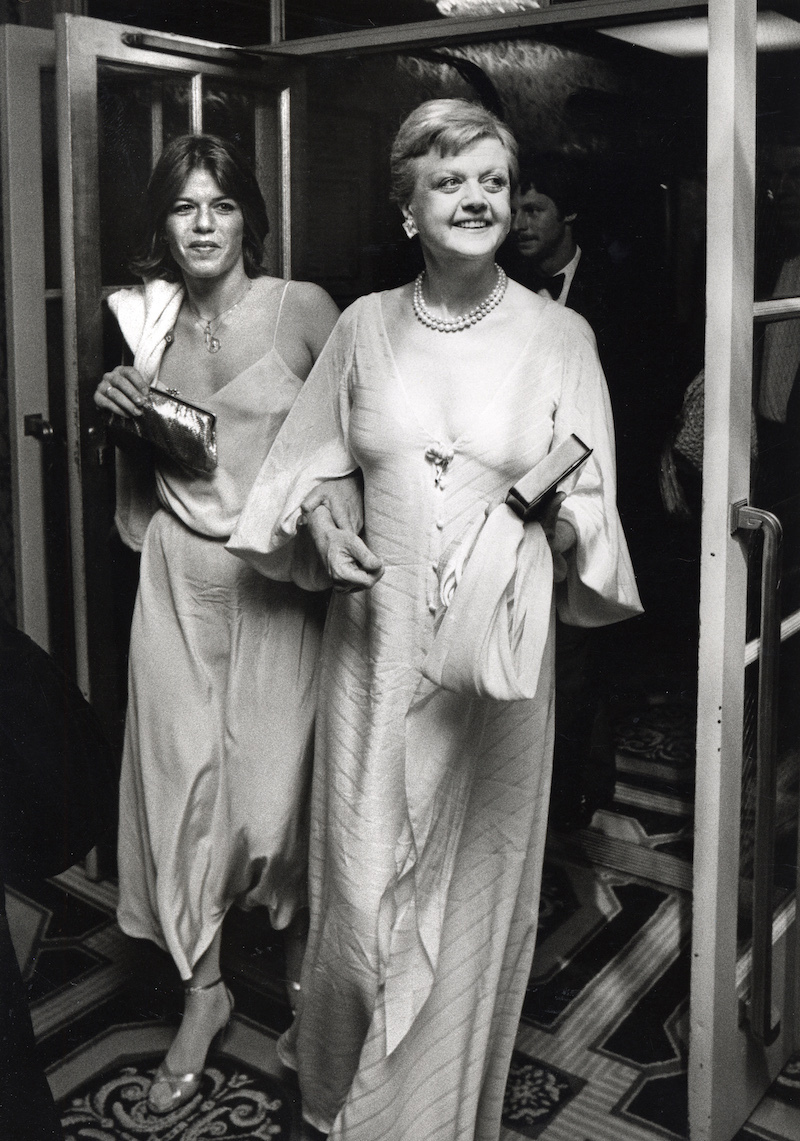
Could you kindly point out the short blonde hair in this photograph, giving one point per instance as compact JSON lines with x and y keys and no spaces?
{"x":449,"y":126}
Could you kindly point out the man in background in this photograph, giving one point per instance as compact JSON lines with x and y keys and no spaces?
{"x":548,"y":259}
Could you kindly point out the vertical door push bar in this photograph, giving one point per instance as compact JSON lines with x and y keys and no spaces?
{"x":759,"y":1009}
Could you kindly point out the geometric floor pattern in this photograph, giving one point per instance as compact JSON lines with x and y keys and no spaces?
{"x":601,"y":1050}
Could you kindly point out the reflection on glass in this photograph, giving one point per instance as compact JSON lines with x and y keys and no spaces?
{"x":778,"y":177}
{"x":174,"y":93}
{"x":777,"y":467}
{"x":138,"y":111}
{"x":786,"y":802}
{"x":52,"y":231}
{"x":779,"y":230}
{"x":777,"y":342}
{"x":228,"y":112}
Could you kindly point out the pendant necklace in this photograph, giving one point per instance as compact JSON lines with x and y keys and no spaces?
{"x":212,"y":341}
{"x":466,"y":320}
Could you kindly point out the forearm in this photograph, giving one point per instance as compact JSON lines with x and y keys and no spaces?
{"x":343,"y":499}
{"x":321,"y":527}
{"x":346,"y":558}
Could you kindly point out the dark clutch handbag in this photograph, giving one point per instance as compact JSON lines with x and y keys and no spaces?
{"x":533,"y":493}
{"x":180,"y":430}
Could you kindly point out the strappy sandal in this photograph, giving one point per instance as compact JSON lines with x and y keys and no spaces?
{"x":170,"y":1091}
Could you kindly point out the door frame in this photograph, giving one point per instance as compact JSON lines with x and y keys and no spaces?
{"x":80,"y":43}
{"x":24,"y":53}
{"x":723,"y":651}
{"x":730,"y":1069}
{"x":477,"y":29}
{"x":719,"y":1048}
{"x":723,"y":590}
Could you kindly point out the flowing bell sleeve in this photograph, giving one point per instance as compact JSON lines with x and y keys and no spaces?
{"x":600,"y":587}
{"x":311,"y":447}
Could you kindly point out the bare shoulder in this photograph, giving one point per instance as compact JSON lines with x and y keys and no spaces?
{"x":311,"y":312}
{"x":312,"y":300}
{"x":307,"y":312}
{"x":301,"y":299}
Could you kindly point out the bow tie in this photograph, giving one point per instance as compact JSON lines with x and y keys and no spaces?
{"x":553,"y":284}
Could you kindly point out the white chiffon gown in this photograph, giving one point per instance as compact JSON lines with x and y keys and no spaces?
{"x":429,"y":806}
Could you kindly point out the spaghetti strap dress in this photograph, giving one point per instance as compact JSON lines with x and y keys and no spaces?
{"x":222,"y":694}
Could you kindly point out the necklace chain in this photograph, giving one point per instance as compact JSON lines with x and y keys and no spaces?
{"x":466,"y":320}
{"x":212,"y":341}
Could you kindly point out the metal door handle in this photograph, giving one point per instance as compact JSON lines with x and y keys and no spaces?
{"x":36,"y":426}
{"x":759,"y":1010}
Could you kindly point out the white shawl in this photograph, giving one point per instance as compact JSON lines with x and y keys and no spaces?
{"x":145,"y":314}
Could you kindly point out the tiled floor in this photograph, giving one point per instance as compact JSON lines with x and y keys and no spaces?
{"x":602,"y":1045}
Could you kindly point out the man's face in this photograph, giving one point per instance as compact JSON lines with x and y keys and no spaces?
{"x":539,"y":227}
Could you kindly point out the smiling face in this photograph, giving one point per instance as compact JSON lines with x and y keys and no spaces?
{"x":541,"y":232}
{"x":204,"y":228}
{"x":461,"y":203}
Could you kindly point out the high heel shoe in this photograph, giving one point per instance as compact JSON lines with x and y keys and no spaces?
{"x":170,"y":1091}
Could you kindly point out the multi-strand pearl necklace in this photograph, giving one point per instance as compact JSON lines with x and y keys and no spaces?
{"x":440,"y":325}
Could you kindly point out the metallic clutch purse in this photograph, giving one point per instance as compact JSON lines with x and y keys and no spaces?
{"x":182,"y":431}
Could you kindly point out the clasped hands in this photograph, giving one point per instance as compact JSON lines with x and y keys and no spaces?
{"x":334,"y":515}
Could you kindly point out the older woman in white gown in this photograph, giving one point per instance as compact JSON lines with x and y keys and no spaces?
{"x":434,"y":733}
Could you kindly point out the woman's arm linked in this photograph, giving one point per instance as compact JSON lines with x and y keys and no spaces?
{"x":334,"y":511}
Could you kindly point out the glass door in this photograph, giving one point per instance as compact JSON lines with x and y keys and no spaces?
{"x":28,"y":59}
{"x":324,"y":172}
{"x":744,"y":984}
{"x":122,"y":94}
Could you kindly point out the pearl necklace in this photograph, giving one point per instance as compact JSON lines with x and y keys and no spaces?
{"x":440,"y":324}
{"x":212,"y":341}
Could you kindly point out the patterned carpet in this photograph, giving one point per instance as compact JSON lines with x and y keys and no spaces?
{"x":602,"y":1044}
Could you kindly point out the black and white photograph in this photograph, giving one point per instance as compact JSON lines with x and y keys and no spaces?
{"x":400,"y":570}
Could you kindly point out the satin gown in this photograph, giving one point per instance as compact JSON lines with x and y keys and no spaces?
{"x":429,"y":807}
{"x":222,"y":695}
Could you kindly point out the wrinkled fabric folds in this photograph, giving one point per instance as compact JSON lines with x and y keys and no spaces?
{"x":429,"y":805}
{"x":222,"y":681}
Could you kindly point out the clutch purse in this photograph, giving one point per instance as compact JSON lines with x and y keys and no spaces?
{"x":180,"y":430}
{"x":534,"y":492}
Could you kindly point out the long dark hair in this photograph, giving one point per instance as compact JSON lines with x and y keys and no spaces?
{"x":230,"y":170}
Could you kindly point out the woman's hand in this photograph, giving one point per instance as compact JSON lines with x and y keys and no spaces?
{"x":123,"y":390}
{"x":344,"y":499}
{"x":347,"y":559}
{"x":560,"y":535}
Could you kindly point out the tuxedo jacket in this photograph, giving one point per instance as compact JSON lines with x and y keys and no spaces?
{"x":645,"y":396}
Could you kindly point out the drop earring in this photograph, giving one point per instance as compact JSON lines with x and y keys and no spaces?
{"x":410,"y":227}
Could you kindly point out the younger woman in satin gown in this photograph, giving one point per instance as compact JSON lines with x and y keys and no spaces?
{"x":223,"y":662}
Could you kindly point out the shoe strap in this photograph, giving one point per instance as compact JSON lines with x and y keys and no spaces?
{"x":165,"y":1074}
{"x":205,"y":986}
